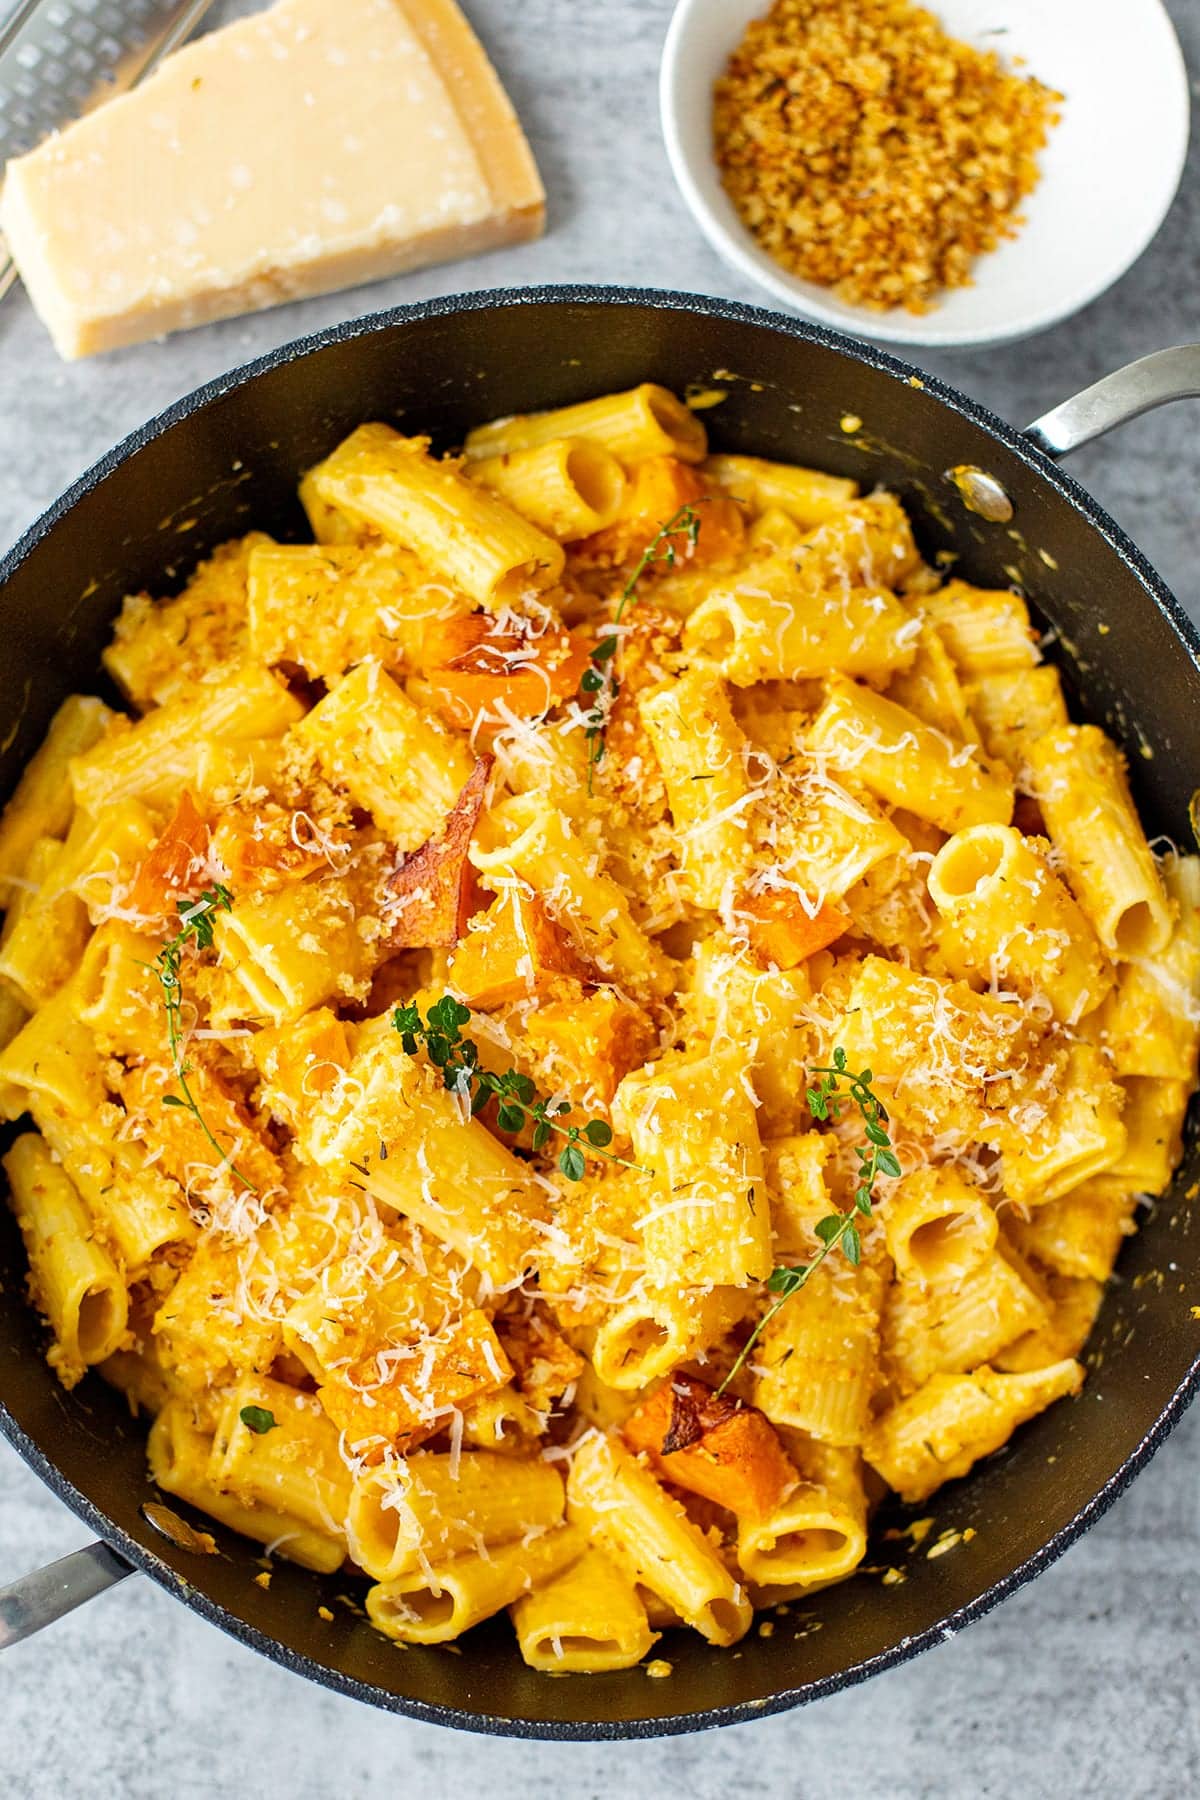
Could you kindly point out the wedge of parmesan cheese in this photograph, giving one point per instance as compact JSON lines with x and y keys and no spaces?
{"x":314,"y":146}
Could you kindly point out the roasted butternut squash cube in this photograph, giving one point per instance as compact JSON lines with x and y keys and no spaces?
{"x":171,"y":871}
{"x":298,"y":1063}
{"x":151,"y":1095}
{"x":713,"y":1446}
{"x":433,"y":892}
{"x":781,"y":931}
{"x":661,"y":487}
{"x":586,"y":1044}
{"x":264,"y":849}
{"x":515,"y":952}
{"x":458,"y":1363}
{"x":476,"y":670}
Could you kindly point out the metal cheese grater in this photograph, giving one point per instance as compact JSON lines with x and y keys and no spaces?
{"x":60,"y":58}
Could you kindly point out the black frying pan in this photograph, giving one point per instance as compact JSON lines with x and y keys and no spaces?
{"x":227,"y":459}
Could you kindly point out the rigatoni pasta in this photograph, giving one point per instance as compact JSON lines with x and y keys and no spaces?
{"x":623,"y":1507}
{"x":807,"y":496}
{"x":78,"y":1284}
{"x":1080,"y":783}
{"x":390,"y":484}
{"x":909,"y":764}
{"x":1007,"y":917}
{"x":40,"y":807}
{"x":815,"y":1534}
{"x":571,"y":487}
{"x":583,"y":1026}
{"x":699,"y":746}
{"x":774,"y":620}
{"x":647,"y":421}
{"x":433,"y":1506}
{"x":588,"y":1618}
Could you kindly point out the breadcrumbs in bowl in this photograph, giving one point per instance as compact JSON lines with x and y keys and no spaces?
{"x":870,"y":153}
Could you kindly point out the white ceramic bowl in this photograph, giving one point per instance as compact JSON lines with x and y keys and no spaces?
{"x":1109,"y":171}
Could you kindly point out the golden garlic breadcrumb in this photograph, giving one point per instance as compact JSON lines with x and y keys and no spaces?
{"x":870,"y":153}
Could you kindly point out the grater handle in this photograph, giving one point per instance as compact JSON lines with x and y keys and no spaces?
{"x":17,"y":22}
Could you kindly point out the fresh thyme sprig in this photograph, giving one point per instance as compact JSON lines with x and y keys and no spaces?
{"x":440,"y":1033}
{"x":598,"y":682}
{"x":835,"y":1230}
{"x":195,"y":927}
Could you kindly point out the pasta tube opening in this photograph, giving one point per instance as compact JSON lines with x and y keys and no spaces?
{"x":570,"y":487}
{"x":557,"y":1649}
{"x":1080,"y":782}
{"x":939,"y":1227}
{"x":596,"y":477}
{"x":586,"y":1619}
{"x":645,"y":421}
{"x":812,"y":1542}
{"x":970,"y":861}
{"x":1007,"y":916}
{"x":813,"y":1537}
{"x":1137,"y":931}
{"x":633,"y":1348}
{"x":714,"y":633}
{"x":721,"y":1621}
{"x":425,"y":1613}
{"x":937,"y":1251}
{"x":438,"y":1603}
{"x":100,"y":1323}
{"x":686,"y":434}
{"x":380,"y":1526}
{"x":77,"y":1284}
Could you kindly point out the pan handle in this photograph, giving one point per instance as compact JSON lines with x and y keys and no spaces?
{"x":37,"y":1600}
{"x":1123,"y":395}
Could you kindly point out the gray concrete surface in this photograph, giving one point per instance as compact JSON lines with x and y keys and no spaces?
{"x":1082,"y":1685}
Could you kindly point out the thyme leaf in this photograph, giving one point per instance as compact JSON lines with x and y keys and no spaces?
{"x":598,"y":682}
{"x":440,"y":1035}
{"x":258,"y":1419}
{"x":834,"y":1084}
{"x":195,"y":928}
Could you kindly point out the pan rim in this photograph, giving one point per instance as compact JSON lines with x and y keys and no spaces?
{"x":1094,"y":1507}
{"x":592,"y":1730}
{"x":657,"y":299}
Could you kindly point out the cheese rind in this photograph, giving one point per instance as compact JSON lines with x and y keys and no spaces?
{"x":311,"y":147}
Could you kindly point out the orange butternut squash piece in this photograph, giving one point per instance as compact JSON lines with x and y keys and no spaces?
{"x":170,"y":873}
{"x":661,"y":486}
{"x":434,"y":891}
{"x":718,"y":1448}
{"x":516,"y":951}
{"x":298,"y":1063}
{"x":149,"y":1091}
{"x":459,"y":1363}
{"x":471,"y":666}
{"x":270,"y":846}
{"x":781,"y":932}
{"x":589,"y":1043}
